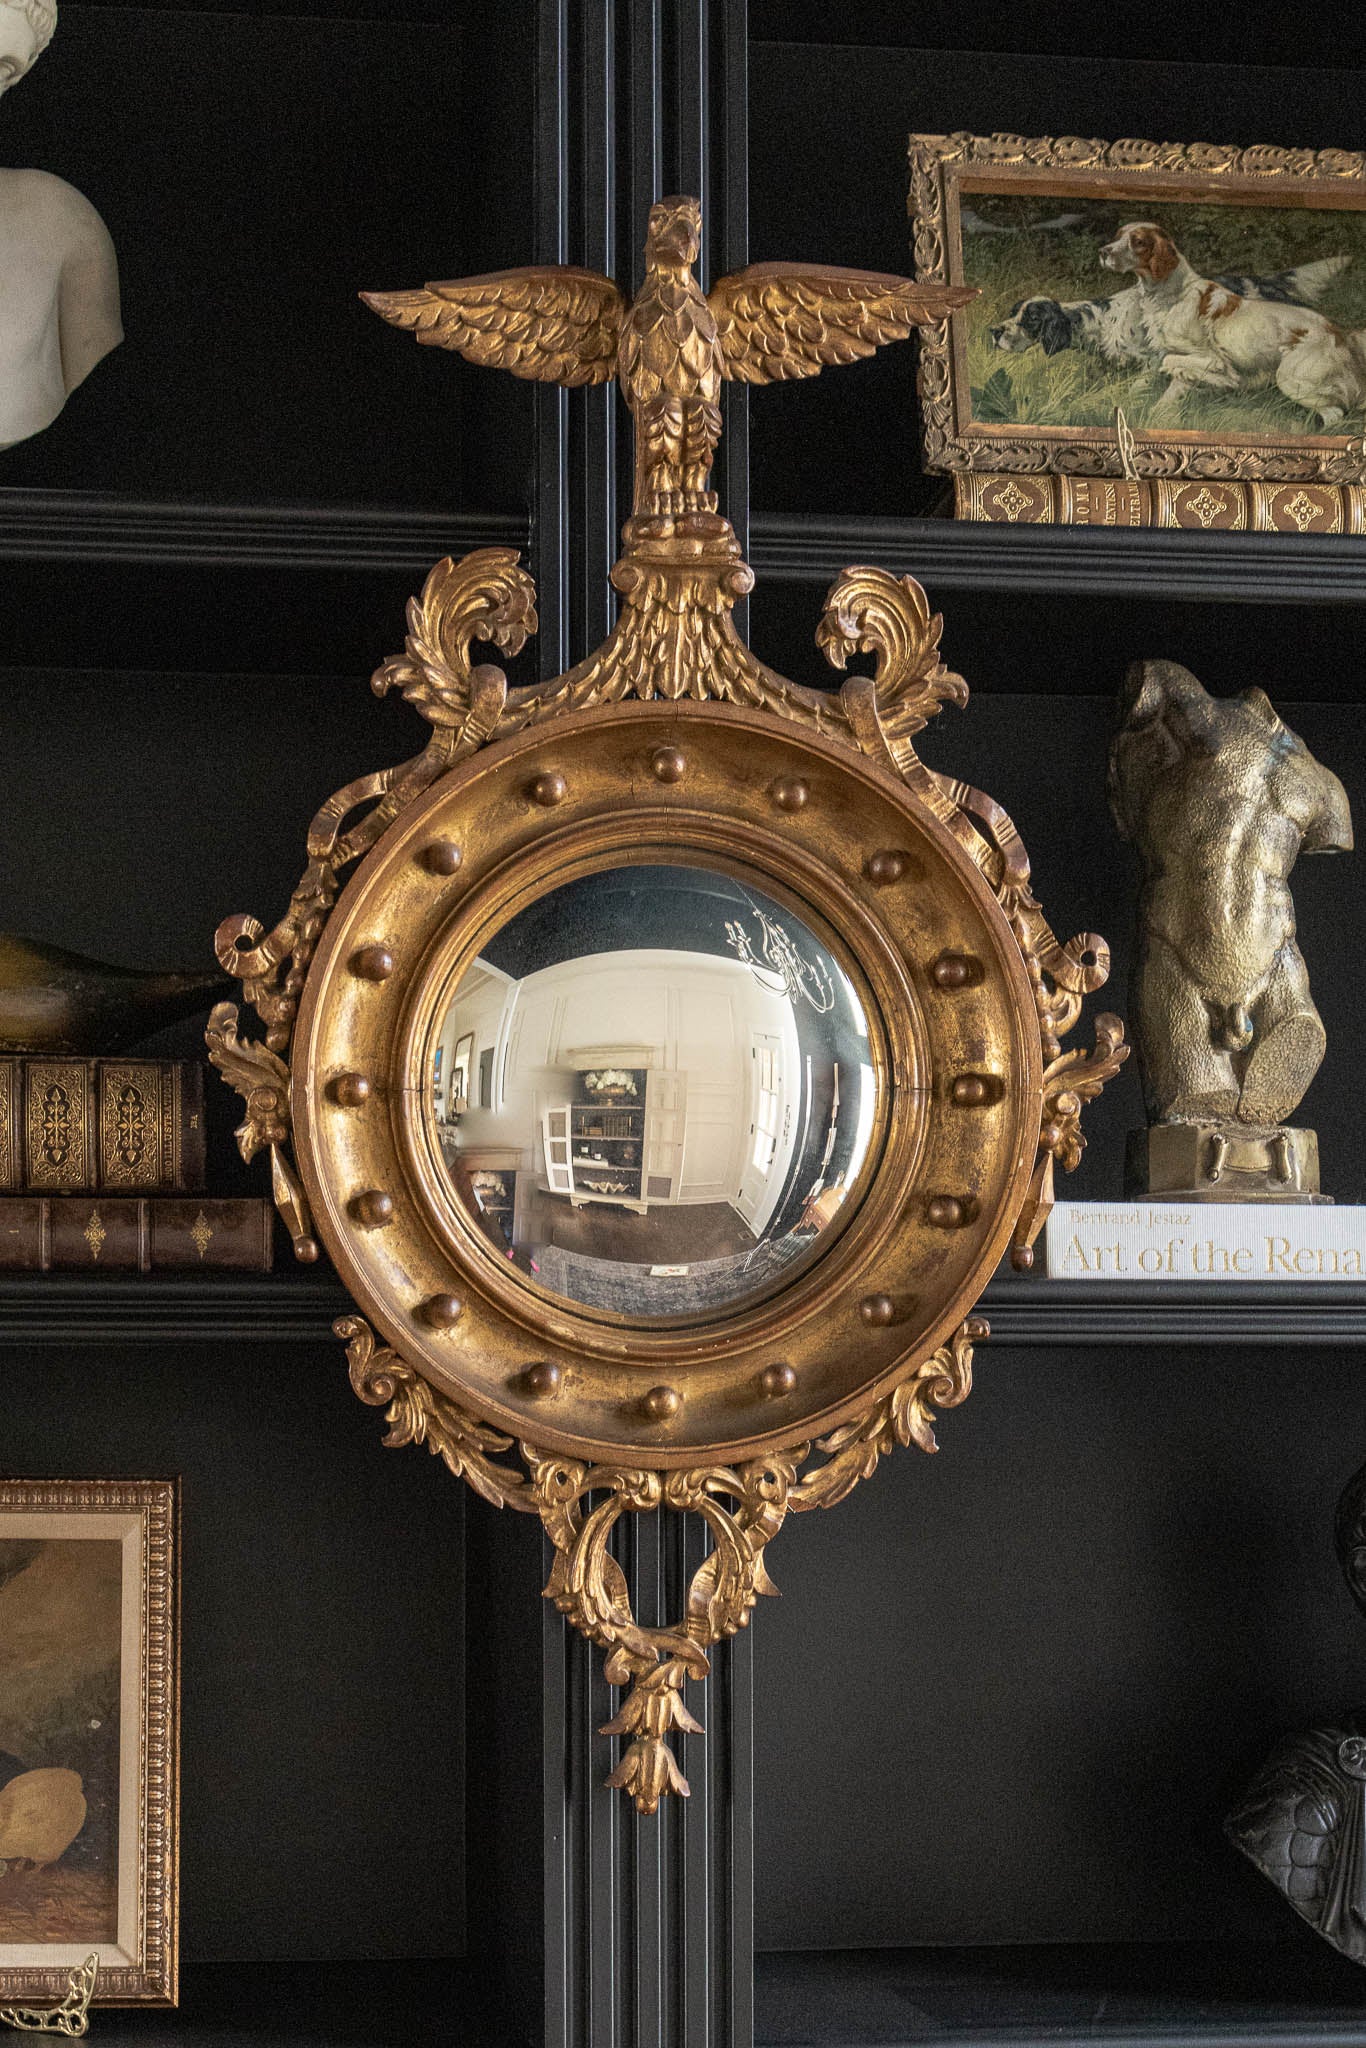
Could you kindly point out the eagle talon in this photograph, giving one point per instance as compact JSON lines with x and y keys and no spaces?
{"x":702,"y":525}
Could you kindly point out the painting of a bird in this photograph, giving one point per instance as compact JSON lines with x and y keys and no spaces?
{"x":673,"y":345}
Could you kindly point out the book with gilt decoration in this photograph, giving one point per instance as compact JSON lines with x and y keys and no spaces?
{"x":121,"y":1126}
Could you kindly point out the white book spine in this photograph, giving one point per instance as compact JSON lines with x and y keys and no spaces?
{"x":1207,"y":1241}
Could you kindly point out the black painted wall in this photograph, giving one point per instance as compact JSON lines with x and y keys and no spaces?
{"x":1009,"y":1690}
{"x":322,"y":1749}
{"x":256,"y":171}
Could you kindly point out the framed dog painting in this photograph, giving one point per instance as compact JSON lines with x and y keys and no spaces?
{"x":1215,"y":298}
{"x":88,"y":1738}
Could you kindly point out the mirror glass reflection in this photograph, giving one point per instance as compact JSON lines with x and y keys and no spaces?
{"x":653,"y":1091}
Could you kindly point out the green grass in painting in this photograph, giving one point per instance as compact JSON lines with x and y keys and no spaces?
{"x":1077,"y":389}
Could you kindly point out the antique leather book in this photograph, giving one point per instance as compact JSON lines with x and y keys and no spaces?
{"x":1201,"y":506}
{"x":98,"y":1233}
{"x":119,"y":1126}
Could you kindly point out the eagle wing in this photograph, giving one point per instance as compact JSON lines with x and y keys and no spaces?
{"x":556,"y":324}
{"x":778,"y":320}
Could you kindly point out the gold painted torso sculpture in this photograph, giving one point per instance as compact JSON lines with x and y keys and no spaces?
{"x":670,"y":739}
{"x":1220,"y":798}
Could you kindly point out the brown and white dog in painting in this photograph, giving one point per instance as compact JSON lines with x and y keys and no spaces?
{"x":1202,"y":333}
{"x":1113,"y":328}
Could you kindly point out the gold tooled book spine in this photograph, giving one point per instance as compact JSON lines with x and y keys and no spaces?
{"x":1308,"y":508}
{"x":103,"y":1233}
{"x":151,"y":1115}
{"x":59,"y":1123}
{"x":1103,"y":501}
{"x":1004,"y":500}
{"x":1199,"y":507}
{"x":11,"y":1175}
{"x":71,"y":1126}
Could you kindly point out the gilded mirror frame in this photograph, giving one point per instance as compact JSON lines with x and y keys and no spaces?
{"x":614,"y":839}
{"x":967,"y":1167}
{"x":671,"y":741}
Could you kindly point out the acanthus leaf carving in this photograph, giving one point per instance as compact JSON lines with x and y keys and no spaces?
{"x":869,"y":611}
{"x":487,"y":596}
{"x":1075,"y":1078}
{"x":580,"y":1504}
{"x":418,"y":1414}
{"x":258,"y":1074}
{"x":904,"y":1416}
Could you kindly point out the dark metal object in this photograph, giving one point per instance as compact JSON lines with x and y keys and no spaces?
{"x":1302,"y":1821}
{"x":54,"y":1001}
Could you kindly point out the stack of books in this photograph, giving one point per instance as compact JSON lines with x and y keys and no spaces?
{"x":102,"y":1166}
{"x":1202,"y":506}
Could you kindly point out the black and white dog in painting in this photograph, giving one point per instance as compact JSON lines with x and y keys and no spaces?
{"x":1113,"y":328}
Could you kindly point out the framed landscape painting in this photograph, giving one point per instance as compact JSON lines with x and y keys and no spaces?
{"x":1214,"y":297}
{"x":89,"y":1694}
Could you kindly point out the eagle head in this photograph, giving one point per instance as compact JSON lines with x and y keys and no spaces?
{"x":674,"y":235}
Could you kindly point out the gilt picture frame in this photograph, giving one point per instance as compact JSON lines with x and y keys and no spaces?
{"x":89,"y":1757}
{"x":1231,"y":335}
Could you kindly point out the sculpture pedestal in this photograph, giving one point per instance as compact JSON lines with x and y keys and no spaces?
{"x":1224,"y":1162}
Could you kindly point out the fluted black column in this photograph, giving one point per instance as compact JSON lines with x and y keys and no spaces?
{"x":648,"y":1921}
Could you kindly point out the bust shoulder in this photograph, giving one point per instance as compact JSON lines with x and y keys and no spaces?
{"x":45,"y":198}
{"x":59,"y":310}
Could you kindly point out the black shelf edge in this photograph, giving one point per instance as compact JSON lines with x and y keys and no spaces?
{"x":1246,"y":2034}
{"x":947,"y":554}
{"x":129,"y":1308}
{"x":301,"y":1307}
{"x":1238,"y":2034}
{"x":1077,"y":561}
{"x":1040,"y":1310}
{"x":75,"y":526}
{"x":1183,"y":1994}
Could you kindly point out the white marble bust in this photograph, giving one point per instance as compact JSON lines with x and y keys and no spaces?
{"x":59,"y":278}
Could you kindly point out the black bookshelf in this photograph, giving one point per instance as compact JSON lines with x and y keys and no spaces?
{"x":1031,"y":1311}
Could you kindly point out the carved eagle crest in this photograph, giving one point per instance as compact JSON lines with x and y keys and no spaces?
{"x":672,"y":346}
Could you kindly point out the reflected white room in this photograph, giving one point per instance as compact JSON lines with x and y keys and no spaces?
{"x":653,"y":1090}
